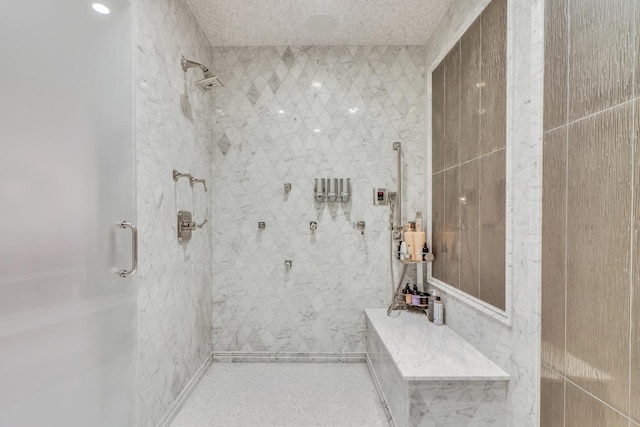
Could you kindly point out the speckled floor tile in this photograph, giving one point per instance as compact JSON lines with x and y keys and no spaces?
{"x":283,"y":394}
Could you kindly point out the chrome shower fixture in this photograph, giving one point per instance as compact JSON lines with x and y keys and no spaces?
{"x":177,"y":175}
{"x":397,"y":146}
{"x":210,"y":80}
{"x":194,"y":181}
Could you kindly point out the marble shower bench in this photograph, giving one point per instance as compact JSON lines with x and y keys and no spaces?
{"x":429,"y":376}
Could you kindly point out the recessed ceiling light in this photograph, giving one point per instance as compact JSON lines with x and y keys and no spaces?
{"x":316,"y":130}
{"x":321,"y":23}
{"x":316,"y":84}
{"x":280,"y":111}
{"x":101,"y":9}
{"x":353,"y":110}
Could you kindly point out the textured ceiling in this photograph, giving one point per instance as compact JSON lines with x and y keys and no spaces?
{"x":282,"y":22}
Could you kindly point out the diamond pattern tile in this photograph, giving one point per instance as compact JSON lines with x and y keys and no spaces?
{"x":292,"y":114}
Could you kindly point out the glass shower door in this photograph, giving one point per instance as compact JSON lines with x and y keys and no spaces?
{"x":67,"y":181}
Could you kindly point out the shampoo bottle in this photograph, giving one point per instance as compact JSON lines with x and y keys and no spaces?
{"x":418,"y":221}
{"x":408,"y":240}
{"x":419,"y":239}
{"x":408,"y":296}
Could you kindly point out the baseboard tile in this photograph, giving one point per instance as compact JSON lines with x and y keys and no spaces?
{"x":258,"y":357}
{"x":383,"y":400}
{"x":186,"y":392}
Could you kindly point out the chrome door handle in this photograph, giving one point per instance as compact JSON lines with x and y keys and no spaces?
{"x":134,"y":249}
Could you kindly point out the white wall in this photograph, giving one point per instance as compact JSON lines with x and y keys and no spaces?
{"x":516,"y":346}
{"x":173,"y":127}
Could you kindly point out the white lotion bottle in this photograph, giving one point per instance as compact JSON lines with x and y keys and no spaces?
{"x":403,"y":251}
{"x":438,"y":312}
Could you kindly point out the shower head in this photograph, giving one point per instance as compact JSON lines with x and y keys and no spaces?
{"x":209,"y":82}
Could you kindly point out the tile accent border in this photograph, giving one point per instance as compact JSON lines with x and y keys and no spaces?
{"x":177,"y":404}
{"x":274,"y":357}
{"x":383,"y":400}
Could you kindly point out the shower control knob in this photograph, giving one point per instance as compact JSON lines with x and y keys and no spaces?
{"x":188,"y":225}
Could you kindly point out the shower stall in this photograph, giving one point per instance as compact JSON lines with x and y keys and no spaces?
{"x":89,"y":148}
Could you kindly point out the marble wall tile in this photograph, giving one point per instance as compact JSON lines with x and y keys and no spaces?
{"x":599,"y":253}
{"x":288,"y":115}
{"x":394,"y":388}
{"x":173,"y":131}
{"x":554,"y":235}
{"x":601,"y":55}
{"x":458,"y":403}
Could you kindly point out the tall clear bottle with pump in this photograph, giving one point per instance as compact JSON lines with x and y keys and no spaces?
{"x":438,"y":312}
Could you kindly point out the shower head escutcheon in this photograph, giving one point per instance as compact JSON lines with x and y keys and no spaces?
{"x":210,"y":80}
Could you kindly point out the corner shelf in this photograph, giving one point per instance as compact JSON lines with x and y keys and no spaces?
{"x":399,"y":302}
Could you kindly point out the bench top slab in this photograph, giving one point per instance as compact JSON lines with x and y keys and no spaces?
{"x":423,"y":351}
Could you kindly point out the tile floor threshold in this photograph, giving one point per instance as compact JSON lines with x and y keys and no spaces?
{"x":284,"y":394}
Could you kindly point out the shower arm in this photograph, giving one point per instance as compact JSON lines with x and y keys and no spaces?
{"x":186,"y":64}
